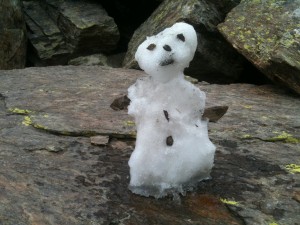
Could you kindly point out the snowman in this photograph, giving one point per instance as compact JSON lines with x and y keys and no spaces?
{"x":173,"y":151}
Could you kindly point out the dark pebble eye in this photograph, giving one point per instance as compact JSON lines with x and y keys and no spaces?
{"x":167,"y":48}
{"x":181,"y":37}
{"x":151,"y":47}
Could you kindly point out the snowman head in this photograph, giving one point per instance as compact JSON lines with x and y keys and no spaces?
{"x":165,"y":55}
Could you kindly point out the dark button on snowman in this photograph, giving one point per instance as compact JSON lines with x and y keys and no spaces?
{"x":172,"y":151}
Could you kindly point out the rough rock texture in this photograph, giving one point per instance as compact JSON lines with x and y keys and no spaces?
{"x":268,"y":34}
{"x":215,"y":60}
{"x":47,"y":43}
{"x":86,"y":26}
{"x":98,"y":60}
{"x":60,"y":30}
{"x":12,"y":35}
{"x":51,"y":171}
{"x":90,"y":60}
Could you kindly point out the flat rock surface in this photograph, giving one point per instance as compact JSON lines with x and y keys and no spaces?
{"x":52,"y":173}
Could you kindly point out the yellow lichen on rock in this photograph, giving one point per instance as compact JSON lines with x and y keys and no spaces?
{"x":228,"y":202}
{"x":129,"y":123}
{"x":293,"y":168}
{"x":273,"y":223}
{"x":20,"y":111}
{"x":27,"y":121}
{"x":285,"y":137}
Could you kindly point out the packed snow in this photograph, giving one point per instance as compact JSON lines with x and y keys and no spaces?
{"x":173,"y":151}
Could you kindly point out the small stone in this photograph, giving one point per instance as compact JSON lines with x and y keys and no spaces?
{"x":120,"y":103}
{"x":215,"y":113}
{"x":169,"y":141}
{"x":167,"y":48}
{"x":181,"y":37}
{"x":99,"y":140}
{"x":151,"y":47}
{"x":167,"y":62}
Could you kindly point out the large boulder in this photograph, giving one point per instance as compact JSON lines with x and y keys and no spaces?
{"x":61,"y":30}
{"x":12,"y":35}
{"x":54,"y":168}
{"x":47,"y":44}
{"x":267,"y":33}
{"x":86,"y":26}
{"x":215,"y":60}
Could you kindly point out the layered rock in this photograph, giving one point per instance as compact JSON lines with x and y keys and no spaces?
{"x":60,"y":30}
{"x":98,"y":60}
{"x":47,"y":43}
{"x":55,"y":169}
{"x":215,"y":60}
{"x":12,"y":35}
{"x":87,"y":27}
{"x":91,"y":60}
{"x":267,"y":33}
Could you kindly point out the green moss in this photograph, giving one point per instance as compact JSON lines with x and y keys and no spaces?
{"x":20,"y":111}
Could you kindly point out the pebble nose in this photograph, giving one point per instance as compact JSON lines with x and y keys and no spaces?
{"x":167,"y":48}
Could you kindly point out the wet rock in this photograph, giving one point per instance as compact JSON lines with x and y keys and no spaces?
{"x":215,"y":60}
{"x":267,"y":34}
{"x":12,"y":35}
{"x":254,"y":179}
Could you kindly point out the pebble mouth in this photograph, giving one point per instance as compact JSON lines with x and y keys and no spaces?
{"x":167,"y":62}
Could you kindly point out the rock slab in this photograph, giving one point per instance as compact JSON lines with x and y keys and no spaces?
{"x":267,"y":33}
{"x":52,"y":173}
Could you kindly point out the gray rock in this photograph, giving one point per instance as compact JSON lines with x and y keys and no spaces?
{"x":50,"y":173}
{"x":215,"y":60}
{"x":86,"y":26}
{"x":90,"y":60}
{"x":47,"y":42}
{"x":268,"y":34}
{"x":61,"y":30}
{"x":12,"y":35}
{"x":114,"y":61}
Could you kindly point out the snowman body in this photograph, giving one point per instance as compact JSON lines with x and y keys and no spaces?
{"x":172,"y":149}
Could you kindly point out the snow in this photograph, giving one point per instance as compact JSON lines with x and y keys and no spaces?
{"x":173,"y":151}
